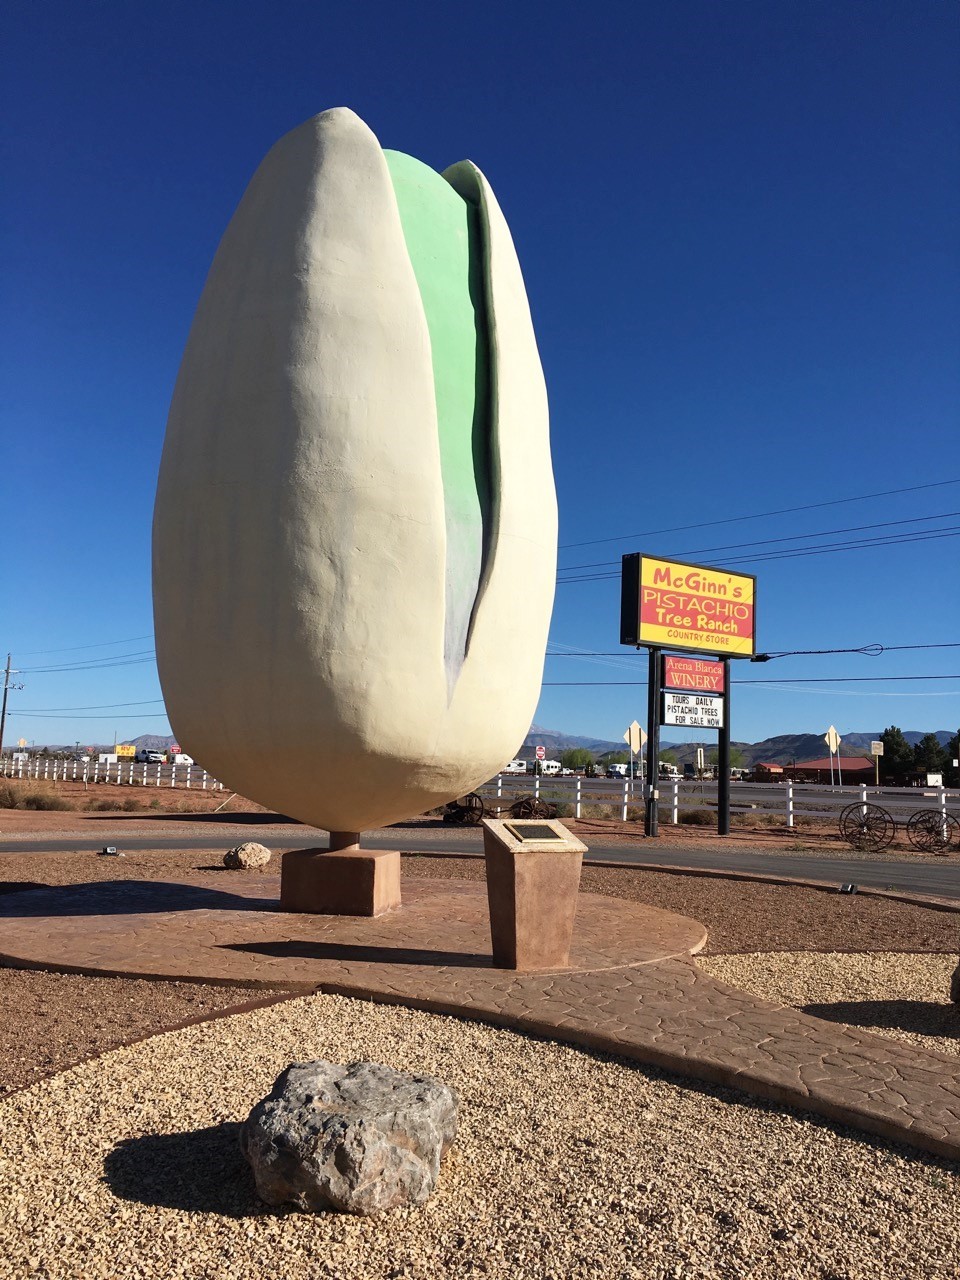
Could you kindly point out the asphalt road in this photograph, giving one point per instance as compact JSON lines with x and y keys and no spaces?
{"x":936,"y":879}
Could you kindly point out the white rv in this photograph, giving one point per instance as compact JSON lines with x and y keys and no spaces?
{"x":515,"y":766}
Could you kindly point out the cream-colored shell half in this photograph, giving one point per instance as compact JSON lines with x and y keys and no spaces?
{"x":299,"y":539}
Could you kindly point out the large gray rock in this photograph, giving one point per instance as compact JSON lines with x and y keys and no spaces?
{"x":246,"y":855}
{"x":360,"y":1138}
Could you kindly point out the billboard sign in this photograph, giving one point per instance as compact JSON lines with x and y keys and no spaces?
{"x":691,"y":710}
{"x":669,"y":604}
{"x":692,"y":674}
{"x":126,"y":750}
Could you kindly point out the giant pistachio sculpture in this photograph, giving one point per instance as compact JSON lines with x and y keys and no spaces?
{"x":355,"y":525}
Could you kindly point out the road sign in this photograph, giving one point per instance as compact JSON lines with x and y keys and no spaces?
{"x":635,"y":737}
{"x":541,"y":753}
{"x":692,"y":710}
{"x":876,"y":748}
{"x":832,"y":739}
{"x":700,"y":759}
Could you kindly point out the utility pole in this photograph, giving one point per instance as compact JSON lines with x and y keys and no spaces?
{"x":3,"y":713}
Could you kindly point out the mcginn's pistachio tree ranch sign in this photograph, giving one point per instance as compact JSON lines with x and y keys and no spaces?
{"x":667,"y":604}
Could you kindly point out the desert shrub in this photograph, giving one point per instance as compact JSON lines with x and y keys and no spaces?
{"x":555,"y":799}
{"x":697,"y":817}
{"x":599,"y":811}
{"x":30,"y":795}
{"x":130,"y":805}
{"x":100,"y":806}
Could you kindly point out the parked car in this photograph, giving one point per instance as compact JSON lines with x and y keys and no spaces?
{"x":150,"y":757}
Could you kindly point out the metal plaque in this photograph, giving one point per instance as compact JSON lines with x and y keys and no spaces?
{"x":538,"y":831}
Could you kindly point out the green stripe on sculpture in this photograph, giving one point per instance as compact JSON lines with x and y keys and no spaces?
{"x":443,"y":237}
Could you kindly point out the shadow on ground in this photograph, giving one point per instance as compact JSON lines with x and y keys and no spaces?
{"x":928,"y":1018}
{"x":222,"y":817}
{"x":297,"y":949}
{"x":199,"y":1171}
{"x":125,"y":897}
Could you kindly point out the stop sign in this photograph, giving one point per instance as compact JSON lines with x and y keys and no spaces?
{"x":541,"y":752}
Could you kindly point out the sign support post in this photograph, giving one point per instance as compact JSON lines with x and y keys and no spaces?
{"x":723,"y":759}
{"x":650,"y":825}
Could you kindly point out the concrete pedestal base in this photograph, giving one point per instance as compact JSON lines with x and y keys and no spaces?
{"x":532,"y":896}
{"x":346,"y":882}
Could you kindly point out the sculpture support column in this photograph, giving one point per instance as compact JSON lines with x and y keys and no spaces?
{"x":343,"y":880}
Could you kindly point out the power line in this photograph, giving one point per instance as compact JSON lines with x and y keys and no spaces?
{"x":97,"y":706}
{"x":104,"y":644}
{"x":878,"y":649}
{"x":98,"y":664}
{"x":766,"y":542}
{"x":759,"y":680}
{"x":761,"y":558}
{"x":760,"y":515}
{"x":46,"y":715}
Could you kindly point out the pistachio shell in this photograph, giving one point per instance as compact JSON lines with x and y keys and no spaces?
{"x":299,"y":533}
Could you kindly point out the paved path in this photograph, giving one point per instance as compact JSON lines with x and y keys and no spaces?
{"x":932,"y":879}
{"x":632,"y":988}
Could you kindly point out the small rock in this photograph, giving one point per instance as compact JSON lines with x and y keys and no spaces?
{"x":246,"y":855}
{"x":360,"y":1138}
{"x":955,"y":986}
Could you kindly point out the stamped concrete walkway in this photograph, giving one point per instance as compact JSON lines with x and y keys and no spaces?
{"x":632,"y":988}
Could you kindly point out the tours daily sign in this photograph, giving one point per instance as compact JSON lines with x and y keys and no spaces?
{"x":669,"y":604}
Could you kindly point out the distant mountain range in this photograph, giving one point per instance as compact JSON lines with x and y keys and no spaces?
{"x":784,"y":749}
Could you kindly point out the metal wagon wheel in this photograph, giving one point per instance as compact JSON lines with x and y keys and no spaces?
{"x":531,"y":807}
{"x":473,"y":808}
{"x":867,"y":826}
{"x":931,"y":831}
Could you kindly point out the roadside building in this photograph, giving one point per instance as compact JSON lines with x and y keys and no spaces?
{"x":768,"y":772}
{"x":851,"y":769}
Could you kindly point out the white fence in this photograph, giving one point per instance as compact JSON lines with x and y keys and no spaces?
{"x":126,"y":772}
{"x":791,"y":801}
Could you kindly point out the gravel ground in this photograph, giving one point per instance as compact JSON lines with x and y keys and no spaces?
{"x":905,"y":997}
{"x":49,"y":1021}
{"x":568,"y":1164}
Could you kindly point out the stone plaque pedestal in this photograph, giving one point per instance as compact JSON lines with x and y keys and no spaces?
{"x":532,"y":887}
{"x":340,"y":882}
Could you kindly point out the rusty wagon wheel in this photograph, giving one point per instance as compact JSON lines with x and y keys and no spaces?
{"x":867,"y":826}
{"x":473,"y":808}
{"x":931,"y":831}
{"x":531,"y":807}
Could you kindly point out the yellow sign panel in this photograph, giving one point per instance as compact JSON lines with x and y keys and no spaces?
{"x":689,"y":606}
{"x":126,"y":749}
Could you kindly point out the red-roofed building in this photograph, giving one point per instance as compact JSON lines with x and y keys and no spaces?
{"x":768,"y":772}
{"x":851,"y":768}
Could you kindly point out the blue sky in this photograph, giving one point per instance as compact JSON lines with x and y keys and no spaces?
{"x":737,"y":225}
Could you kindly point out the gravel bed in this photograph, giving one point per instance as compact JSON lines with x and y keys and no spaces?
{"x":568,"y":1164}
{"x":905,"y":997}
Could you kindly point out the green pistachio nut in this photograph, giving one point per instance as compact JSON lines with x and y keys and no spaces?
{"x":355,"y":525}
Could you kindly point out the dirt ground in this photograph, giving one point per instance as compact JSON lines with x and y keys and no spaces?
{"x":141,"y":810}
